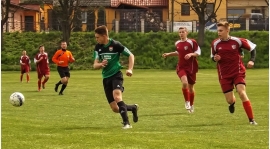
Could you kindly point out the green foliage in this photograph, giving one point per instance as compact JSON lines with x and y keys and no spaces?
{"x":147,"y":48}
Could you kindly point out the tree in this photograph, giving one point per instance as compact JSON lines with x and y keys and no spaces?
{"x":206,"y":11}
{"x":67,"y":10}
{"x":5,"y":8}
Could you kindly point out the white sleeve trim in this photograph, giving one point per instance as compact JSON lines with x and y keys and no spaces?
{"x":198,"y":51}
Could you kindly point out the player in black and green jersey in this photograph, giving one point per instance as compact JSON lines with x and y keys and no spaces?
{"x":107,"y":53}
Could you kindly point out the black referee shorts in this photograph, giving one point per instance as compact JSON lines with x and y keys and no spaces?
{"x":112,"y":83}
{"x":63,"y":71}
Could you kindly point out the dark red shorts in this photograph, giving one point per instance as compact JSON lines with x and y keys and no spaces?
{"x":227,"y":84}
{"x":190,"y":77}
{"x":25,"y":69}
{"x":43,"y":73}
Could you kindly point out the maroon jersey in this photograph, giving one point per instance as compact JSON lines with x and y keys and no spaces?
{"x":230,"y":63}
{"x":25,"y":59}
{"x":183,"y":48}
{"x":42,"y":66}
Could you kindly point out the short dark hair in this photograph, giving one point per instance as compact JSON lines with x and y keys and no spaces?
{"x":101,"y":30}
{"x":40,"y":46}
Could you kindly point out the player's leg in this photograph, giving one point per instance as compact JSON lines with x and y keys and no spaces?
{"x":183,"y":77}
{"x":227,"y":89}
{"x":117,"y":82}
{"x":46,"y":78}
{"x":39,"y":80}
{"x":27,"y":74}
{"x":22,"y":72}
{"x":241,"y":88}
{"x":62,"y":75}
{"x":191,"y":82}
{"x":117,"y":95}
{"x":64,"y":81}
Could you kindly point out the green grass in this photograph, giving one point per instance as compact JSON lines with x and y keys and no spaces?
{"x":82,"y":118}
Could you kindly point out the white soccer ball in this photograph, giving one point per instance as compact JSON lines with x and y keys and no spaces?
{"x":16,"y":99}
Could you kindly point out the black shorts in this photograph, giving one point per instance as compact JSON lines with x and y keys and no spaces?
{"x":63,"y":71}
{"x":112,"y":83}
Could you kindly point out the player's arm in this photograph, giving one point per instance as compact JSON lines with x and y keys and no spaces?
{"x":175,"y":53}
{"x":196,"y":49}
{"x":97,"y":64}
{"x":125,"y":51}
{"x":248,"y":45}
{"x":55,"y":57}
{"x":21,"y":62}
{"x":71,"y":58}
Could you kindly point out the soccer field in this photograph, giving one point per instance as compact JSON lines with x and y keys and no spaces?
{"x":82,"y":118}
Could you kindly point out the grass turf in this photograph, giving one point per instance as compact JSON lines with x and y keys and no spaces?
{"x":82,"y":118}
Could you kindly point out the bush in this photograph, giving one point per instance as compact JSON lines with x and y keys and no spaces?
{"x":147,"y":48}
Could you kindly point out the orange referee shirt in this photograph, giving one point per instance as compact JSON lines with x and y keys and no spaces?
{"x":65,"y":56}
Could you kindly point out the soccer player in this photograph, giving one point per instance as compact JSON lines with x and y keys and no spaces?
{"x":106,"y":55}
{"x":231,"y":70}
{"x":62,"y":58}
{"x":25,"y":66}
{"x":41,"y":60}
{"x":187,"y":51}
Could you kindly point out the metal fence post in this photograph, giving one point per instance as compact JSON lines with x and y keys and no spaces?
{"x":247,"y":24}
{"x":142,"y":25}
{"x":168,"y":26}
{"x":116,"y":26}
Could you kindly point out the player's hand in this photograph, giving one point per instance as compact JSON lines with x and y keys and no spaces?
{"x":187,"y":56}
{"x":250,"y":64}
{"x":60,"y":62}
{"x":41,"y":59}
{"x":165,"y":55}
{"x":104,"y":63}
{"x":129,"y":72}
{"x":23,"y":63}
{"x":217,"y":57}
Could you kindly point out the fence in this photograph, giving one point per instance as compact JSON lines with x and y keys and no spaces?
{"x":136,"y":25}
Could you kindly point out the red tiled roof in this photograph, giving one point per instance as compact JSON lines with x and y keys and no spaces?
{"x":27,"y":7}
{"x":149,"y":3}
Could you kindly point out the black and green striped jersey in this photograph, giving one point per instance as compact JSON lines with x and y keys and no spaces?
{"x":111,"y":52}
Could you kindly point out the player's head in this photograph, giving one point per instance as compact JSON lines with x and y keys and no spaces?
{"x":223,"y":29}
{"x":183,"y":32}
{"x":41,"y":48}
{"x":64,"y":45}
{"x":23,"y":52}
{"x":101,"y":34}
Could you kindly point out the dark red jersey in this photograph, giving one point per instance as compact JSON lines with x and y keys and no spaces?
{"x":25,"y":60}
{"x":183,"y":48}
{"x":230,"y":63}
{"x":43,"y":65}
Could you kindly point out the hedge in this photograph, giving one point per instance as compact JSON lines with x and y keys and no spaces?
{"x":147,"y":48}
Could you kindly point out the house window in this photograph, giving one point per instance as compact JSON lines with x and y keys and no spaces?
{"x":234,"y":14}
{"x":185,"y":9}
{"x":84,"y":17}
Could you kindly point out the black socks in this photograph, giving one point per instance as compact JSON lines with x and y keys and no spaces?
{"x":123,"y":111}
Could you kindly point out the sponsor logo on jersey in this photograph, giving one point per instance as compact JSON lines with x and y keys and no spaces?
{"x":234,"y":46}
{"x":110,"y":48}
{"x":186,"y":47}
